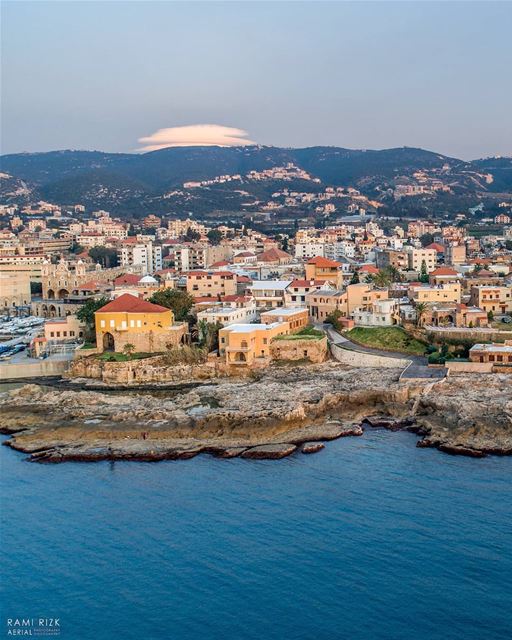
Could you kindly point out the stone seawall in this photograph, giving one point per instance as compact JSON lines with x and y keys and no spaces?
{"x":149,"y":370}
{"x":36,"y":369}
{"x":360,"y":359}
{"x":314,"y":350}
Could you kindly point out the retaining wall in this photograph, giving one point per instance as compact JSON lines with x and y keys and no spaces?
{"x":360,"y":359}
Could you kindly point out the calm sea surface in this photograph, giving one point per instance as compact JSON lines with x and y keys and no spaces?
{"x":369,"y":539}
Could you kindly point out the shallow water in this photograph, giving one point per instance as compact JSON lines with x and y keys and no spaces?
{"x":371,"y":538}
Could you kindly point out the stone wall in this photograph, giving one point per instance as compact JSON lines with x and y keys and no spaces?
{"x":147,"y":370}
{"x":144,"y":341}
{"x":314,"y":350}
{"x":36,"y":369}
{"x":360,"y":359}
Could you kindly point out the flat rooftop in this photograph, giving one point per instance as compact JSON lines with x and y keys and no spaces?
{"x":284,"y":311}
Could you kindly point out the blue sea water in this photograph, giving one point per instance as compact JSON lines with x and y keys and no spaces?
{"x":370,"y":539}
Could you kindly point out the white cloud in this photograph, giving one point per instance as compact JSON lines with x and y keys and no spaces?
{"x":196,"y":135}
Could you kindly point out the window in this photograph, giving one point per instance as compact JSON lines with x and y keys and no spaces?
{"x":112,"y":324}
{"x":102,"y":323}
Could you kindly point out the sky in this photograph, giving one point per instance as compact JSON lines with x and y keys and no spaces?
{"x":129,"y":76}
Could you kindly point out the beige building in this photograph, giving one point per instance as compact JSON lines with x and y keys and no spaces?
{"x":492,"y":298}
{"x":249,"y":344}
{"x":14,"y":288}
{"x":416,"y":258}
{"x":447,"y":292}
{"x":455,"y":253}
{"x":211,"y":283}
{"x":497,"y":353}
{"x":63,"y":329}
{"x":297,"y":318}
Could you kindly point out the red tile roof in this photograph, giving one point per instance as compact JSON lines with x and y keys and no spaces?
{"x":320,"y":261}
{"x":220,"y":263}
{"x":435,"y":245}
{"x":368,"y":268}
{"x":127,"y":278}
{"x":131,"y":304}
{"x":305,"y":283}
{"x":93,"y":285}
{"x":444,"y":271}
{"x":272,"y":255}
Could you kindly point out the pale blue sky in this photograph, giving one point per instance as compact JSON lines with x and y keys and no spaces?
{"x":100,"y":75}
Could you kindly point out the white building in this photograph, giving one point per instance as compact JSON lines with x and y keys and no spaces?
{"x":146,"y":254}
{"x":269,"y":293}
{"x":381,"y":314}
{"x":230,"y":315}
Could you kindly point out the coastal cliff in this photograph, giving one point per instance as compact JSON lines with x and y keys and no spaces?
{"x":269,"y":416}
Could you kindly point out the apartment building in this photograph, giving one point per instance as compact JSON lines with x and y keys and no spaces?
{"x":418,"y":257}
{"x":145,"y":254}
{"x":497,"y":299}
{"x":269,"y":293}
{"x":211,"y":283}
{"x":447,"y":292}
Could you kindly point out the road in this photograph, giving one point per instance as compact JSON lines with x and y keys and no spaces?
{"x":418,"y":367}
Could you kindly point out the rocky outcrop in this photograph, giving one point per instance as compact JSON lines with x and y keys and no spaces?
{"x":284,"y":406}
{"x":269,"y":451}
{"x":312,"y":447}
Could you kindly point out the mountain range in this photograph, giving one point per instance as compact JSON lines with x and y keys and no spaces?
{"x":134,"y":184}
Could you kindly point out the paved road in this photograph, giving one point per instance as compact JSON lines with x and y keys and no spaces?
{"x":417,"y":369}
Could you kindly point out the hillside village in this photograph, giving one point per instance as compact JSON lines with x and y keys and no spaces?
{"x":83,"y":283}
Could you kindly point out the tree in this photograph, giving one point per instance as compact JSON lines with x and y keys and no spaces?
{"x":334,"y":319}
{"x":490,"y":316}
{"x":86,"y":314}
{"x":36,"y":288}
{"x":426,"y":239}
{"x":191,"y":235}
{"x":76,"y":248}
{"x":421,"y":309}
{"x":284,"y":243}
{"x":180,"y":302}
{"x":423,"y":272}
{"x":355,"y":278}
{"x":128,"y":349}
{"x":214,"y":236}
{"x":106,"y":256}
{"x":208,"y":335}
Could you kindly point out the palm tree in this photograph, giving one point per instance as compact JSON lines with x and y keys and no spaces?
{"x":421,"y":308}
{"x":128,"y":349}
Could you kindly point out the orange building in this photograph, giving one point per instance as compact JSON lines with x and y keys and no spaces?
{"x":148,"y":327}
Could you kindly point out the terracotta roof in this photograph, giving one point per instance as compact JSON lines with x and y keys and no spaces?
{"x":235,"y":298}
{"x":131,"y":304}
{"x":306,"y":283}
{"x":127,"y":278}
{"x":272,"y":255}
{"x":444,"y":271}
{"x":243,"y":279}
{"x":220,"y":263}
{"x":368,"y":268}
{"x":93,"y":285}
{"x":485,"y":273}
{"x":223,"y":274}
{"x":320,"y":261}
{"x":435,"y":245}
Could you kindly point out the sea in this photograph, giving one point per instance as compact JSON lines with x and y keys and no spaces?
{"x":370,"y":539}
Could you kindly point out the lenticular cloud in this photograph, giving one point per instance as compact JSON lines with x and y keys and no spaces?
{"x":196,"y":135}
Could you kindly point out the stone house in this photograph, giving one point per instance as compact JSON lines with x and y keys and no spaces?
{"x":149,"y":327}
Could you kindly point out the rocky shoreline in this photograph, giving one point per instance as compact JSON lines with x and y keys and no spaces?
{"x":284,"y":411}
